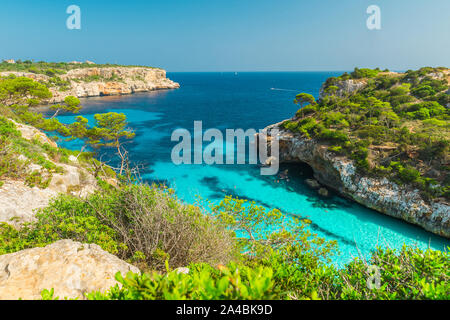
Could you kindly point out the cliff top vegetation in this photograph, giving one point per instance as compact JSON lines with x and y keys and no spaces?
{"x":235,"y":250}
{"x":52,"y":69}
{"x":391,"y":124}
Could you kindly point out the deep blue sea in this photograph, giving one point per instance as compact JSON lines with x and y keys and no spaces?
{"x":248,"y":100}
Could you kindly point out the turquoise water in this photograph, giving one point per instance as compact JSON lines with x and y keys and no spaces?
{"x":247,"y":100}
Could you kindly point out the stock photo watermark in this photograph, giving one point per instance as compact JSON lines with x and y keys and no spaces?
{"x":263,"y":148}
{"x":374,"y":20}
{"x":73,"y":22}
{"x":374,"y":280}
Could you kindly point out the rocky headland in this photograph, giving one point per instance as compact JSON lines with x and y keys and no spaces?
{"x":339,"y":171}
{"x":100,"y":81}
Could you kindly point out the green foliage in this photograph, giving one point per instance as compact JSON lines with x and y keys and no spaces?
{"x":401,"y":117}
{"x":238,"y":250}
{"x":261,"y":233}
{"x":333,"y":136}
{"x":421,"y":114}
{"x":71,"y":104}
{"x":111,"y":127}
{"x":310,"y":109}
{"x":203,"y":282}
{"x":400,"y":90}
{"x":57,"y":82}
{"x":290,"y":125}
{"x":142,"y":224}
{"x":431,"y":108}
{"x":364,"y":73}
{"x":407,"y":174}
{"x":8,"y":129}
{"x":360,"y":156}
{"x":111,"y":130}
{"x":409,"y":274}
{"x":279,"y":259}
{"x":17,"y":153}
{"x":304,"y":98}
{"x":22,"y":91}
{"x":335,"y":149}
{"x":53,"y":68}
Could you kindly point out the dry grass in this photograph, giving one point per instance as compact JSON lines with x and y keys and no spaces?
{"x":152,"y":221}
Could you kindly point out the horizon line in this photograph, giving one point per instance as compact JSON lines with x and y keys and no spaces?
{"x":267,"y":71}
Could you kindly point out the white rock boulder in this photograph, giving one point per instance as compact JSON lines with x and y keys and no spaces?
{"x":71,"y":268}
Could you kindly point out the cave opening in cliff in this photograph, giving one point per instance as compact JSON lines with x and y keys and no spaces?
{"x":295,"y":176}
{"x":297,"y":171}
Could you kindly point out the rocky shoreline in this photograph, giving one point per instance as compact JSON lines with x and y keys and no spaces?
{"x":339,"y":173}
{"x":101,"y":81}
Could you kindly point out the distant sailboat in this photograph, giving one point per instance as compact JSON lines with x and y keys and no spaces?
{"x":278,"y":89}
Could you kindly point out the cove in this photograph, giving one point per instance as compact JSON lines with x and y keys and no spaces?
{"x":248,"y":101}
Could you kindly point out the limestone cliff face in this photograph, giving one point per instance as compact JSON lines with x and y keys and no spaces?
{"x":346,"y":87}
{"x":339,"y":173}
{"x":91,"y":82}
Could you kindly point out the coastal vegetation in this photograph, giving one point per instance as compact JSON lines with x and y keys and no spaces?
{"x":54,"y":75}
{"x":203,"y":257}
{"x":394,"y":125}
{"x":53,"y":69}
{"x":19,"y":94}
{"x":234,"y":249}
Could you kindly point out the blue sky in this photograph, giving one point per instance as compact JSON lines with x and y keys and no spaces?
{"x":232,"y":35}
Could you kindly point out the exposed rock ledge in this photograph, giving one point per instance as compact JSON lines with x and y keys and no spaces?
{"x":111,"y":81}
{"x":70,"y":268}
{"x":20,"y":202}
{"x":339,"y":173}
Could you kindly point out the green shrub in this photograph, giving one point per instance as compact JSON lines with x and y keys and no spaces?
{"x":7,"y":128}
{"x":203,"y":282}
{"x":336,"y":149}
{"x":423,"y":91}
{"x":333,"y":136}
{"x":290,"y":125}
{"x":401,"y":90}
{"x":420,"y":114}
{"x":401,"y":99}
{"x":360,"y":156}
{"x":142,"y":224}
{"x":407,"y":274}
{"x":280,"y":259}
{"x":408,"y":174}
{"x":364,"y":73}
{"x":309,"y":109}
{"x":397,"y":117}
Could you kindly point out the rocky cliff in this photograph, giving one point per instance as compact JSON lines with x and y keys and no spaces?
{"x":339,"y":173}
{"x":337,"y":169}
{"x":101,"y":81}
